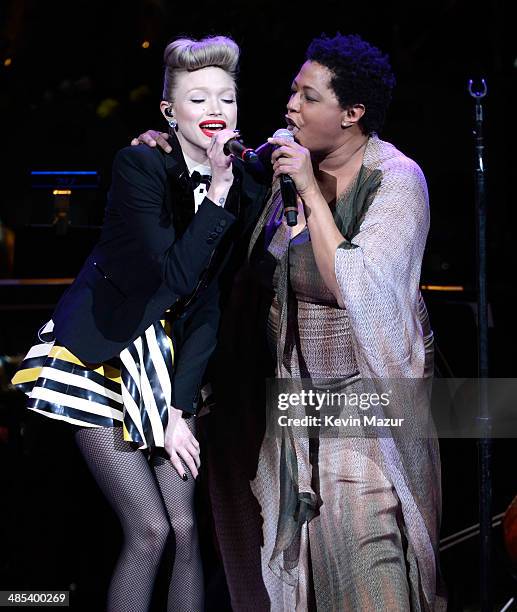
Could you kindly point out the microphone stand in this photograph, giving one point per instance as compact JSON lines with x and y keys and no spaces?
{"x":484,"y":418}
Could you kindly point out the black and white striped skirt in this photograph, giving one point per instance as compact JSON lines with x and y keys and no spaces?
{"x":133,"y":390}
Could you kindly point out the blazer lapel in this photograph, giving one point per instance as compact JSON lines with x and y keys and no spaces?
{"x":180,"y":200}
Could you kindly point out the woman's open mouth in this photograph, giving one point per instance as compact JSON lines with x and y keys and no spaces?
{"x":209,"y":128}
{"x":291,"y":125}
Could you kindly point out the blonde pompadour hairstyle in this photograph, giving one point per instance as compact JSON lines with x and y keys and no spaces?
{"x":187,"y":55}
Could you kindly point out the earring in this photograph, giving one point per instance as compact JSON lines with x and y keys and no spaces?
{"x":346,"y":124}
{"x":172,"y":122}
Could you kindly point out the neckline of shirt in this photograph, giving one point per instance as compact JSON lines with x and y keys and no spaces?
{"x":193,"y":166}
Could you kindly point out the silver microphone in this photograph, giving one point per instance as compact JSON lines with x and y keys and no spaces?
{"x":287,"y":186}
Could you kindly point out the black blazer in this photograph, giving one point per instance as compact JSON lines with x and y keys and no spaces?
{"x":151,"y":253}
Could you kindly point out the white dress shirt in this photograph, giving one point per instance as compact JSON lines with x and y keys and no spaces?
{"x":201,"y":189}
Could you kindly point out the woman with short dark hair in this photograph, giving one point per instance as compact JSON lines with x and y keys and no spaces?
{"x":352,"y":513}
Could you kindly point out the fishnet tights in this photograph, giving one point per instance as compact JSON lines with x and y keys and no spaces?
{"x":156,"y":510}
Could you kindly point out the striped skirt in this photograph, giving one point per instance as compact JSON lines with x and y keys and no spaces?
{"x":132,"y":390}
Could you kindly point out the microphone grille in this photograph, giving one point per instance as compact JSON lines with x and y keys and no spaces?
{"x":284,"y":133}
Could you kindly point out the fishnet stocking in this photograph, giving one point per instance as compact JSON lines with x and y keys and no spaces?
{"x":186,"y":593}
{"x":156,"y":510}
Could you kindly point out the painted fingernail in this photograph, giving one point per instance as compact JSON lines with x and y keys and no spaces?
{"x":184,"y":477}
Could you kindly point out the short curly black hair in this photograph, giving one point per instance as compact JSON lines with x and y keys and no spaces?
{"x":361,"y":74}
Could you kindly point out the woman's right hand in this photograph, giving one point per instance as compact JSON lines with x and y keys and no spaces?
{"x":180,"y":443}
{"x":152,"y":138}
{"x":221,"y":165}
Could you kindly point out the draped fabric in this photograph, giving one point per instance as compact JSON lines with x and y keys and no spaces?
{"x":384,"y":218}
{"x":299,"y":503}
{"x":133,"y":390}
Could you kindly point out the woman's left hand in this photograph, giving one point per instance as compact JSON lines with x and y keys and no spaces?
{"x":293,"y":159}
{"x":181,"y":444}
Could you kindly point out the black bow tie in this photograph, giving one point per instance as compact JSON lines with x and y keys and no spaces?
{"x":196,"y":179}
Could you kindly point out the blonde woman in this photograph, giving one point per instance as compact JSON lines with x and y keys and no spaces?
{"x":124,"y":355}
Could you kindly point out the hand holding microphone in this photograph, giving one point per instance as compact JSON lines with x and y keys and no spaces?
{"x":287,"y":186}
{"x":280,"y":138}
{"x":221,"y":165}
{"x":293,"y":164}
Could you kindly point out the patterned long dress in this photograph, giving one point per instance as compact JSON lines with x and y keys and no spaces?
{"x":351,"y":523}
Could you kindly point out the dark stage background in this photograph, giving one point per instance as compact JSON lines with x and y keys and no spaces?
{"x":78,"y":81}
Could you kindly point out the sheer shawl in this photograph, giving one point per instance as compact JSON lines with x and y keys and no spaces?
{"x":385,"y":220}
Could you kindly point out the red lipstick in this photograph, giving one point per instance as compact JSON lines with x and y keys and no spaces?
{"x":211,"y":127}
